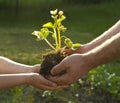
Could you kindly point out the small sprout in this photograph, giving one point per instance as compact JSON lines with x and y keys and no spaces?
{"x":55,"y":29}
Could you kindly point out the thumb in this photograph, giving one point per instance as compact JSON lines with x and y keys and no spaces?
{"x":58,"y":69}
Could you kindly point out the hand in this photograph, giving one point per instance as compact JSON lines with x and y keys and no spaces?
{"x":40,"y":82}
{"x":32,"y":69}
{"x":75,"y":66}
{"x":35,"y":68}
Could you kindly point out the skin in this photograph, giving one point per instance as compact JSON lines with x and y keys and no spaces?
{"x":8,"y":66}
{"x":77,"y":65}
{"x":14,"y":74}
{"x":97,"y":41}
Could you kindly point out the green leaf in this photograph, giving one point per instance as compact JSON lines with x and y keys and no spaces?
{"x":68,"y":42}
{"x":48,"y":25}
{"x":75,"y":46}
{"x":61,"y":19}
{"x":63,"y":28}
{"x":53,"y":36}
{"x":44,"y":32}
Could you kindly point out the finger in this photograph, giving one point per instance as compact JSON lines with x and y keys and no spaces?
{"x":61,"y":80}
{"x":61,"y":87}
{"x":48,"y":82}
{"x":44,"y":87}
{"x":58,"y":69}
{"x":67,"y":51}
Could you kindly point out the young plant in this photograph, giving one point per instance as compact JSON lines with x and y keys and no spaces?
{"x":54,"y":30}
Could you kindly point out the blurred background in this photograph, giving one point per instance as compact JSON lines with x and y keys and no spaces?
{"x":86,"y":19}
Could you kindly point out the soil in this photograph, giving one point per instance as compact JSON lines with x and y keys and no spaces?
{"x":50,"y":59}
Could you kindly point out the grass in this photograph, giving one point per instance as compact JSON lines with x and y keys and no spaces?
{"x":84,"y":23}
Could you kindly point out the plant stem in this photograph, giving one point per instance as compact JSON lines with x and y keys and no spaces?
{"x":49,"y":44}
{"x":63,"y":37}
{"x":59,"y":39}
{"x":56,"y":39}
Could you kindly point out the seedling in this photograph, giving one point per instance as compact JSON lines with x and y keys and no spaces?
{"x":54,"y":30}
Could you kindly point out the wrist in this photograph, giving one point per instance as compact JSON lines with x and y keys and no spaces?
{"x":87,"y":47}
{"x":30,"y":78}
{"x":90,"y":60}
{"x":33,"y":69}
{"x":27,"y":69}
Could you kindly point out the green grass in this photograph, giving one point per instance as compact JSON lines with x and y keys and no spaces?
{"x":84,"y":23}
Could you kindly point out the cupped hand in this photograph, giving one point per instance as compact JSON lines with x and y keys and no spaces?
{"x":40,"y":82}
{"x":33,"y":69}
{"x":75,"y":66}
{"x":36,"y":68}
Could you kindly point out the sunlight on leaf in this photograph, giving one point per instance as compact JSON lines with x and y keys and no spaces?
{"x":75,"y":46}
{"x":48,"y":25}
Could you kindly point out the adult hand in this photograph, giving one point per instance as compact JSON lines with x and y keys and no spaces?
{"x":75,"y":66}
{"x":40,"y":82}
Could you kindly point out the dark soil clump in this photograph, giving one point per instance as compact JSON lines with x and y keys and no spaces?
{"x":49,"y":61}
